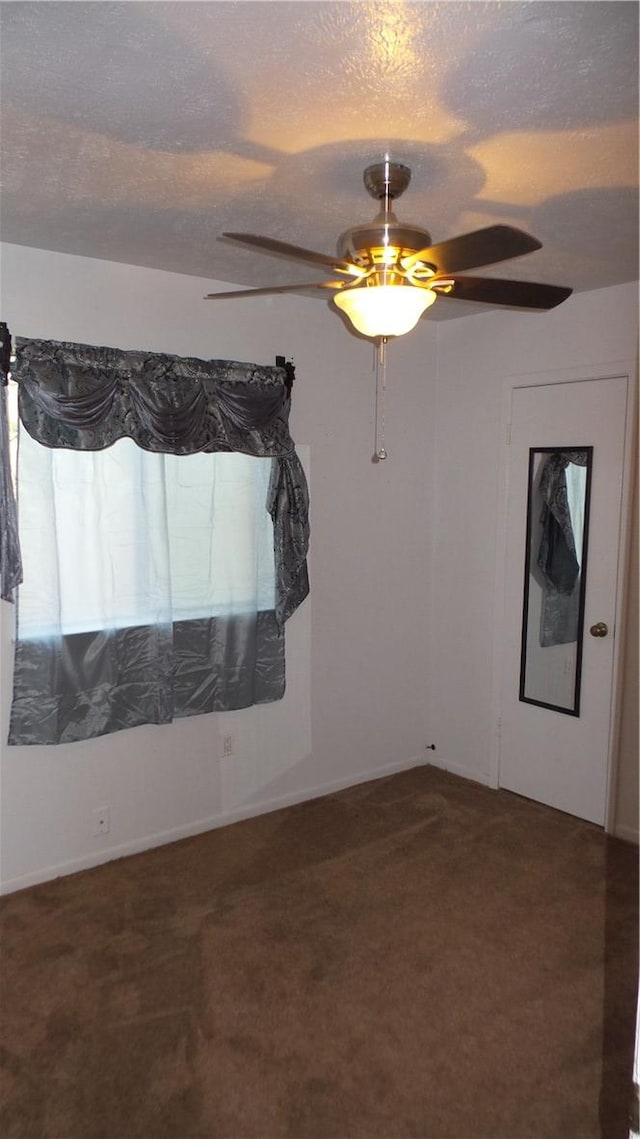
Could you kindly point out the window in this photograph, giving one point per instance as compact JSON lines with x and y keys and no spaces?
{"x":125,"y":537}
{"x":163,"y":517}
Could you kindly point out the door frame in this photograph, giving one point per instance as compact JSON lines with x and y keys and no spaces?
{"x":605,"y":371}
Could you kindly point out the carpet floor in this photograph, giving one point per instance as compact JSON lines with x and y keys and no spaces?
{"x":413,"y":958}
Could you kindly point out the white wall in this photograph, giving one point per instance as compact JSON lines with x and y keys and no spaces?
{"x":356,"y":653}
{"x":392,"y":650}
{"x":476,"y":357}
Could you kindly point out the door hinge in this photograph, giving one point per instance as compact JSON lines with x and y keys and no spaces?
{"x":508,"y":435}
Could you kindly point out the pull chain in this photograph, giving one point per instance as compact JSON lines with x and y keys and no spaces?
{"x":381,"y":391}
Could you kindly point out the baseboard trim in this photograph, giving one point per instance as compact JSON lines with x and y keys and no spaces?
{"x":627,"y":834}
{"x":461,"y":770}
{"x":200,"y":826}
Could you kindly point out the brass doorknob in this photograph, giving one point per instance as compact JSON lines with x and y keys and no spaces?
{"x":599,"y":630}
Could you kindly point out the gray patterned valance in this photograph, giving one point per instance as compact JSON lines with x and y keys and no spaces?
{"x":85,"y":397}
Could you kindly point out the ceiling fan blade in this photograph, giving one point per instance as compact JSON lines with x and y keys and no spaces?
{"x":470,"y":250}
{"x":496,"y":291}
{"x":294,"y":252}
{"x":274,"y":289}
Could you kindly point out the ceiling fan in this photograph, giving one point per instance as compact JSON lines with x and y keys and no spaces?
{"x":387,"y":273}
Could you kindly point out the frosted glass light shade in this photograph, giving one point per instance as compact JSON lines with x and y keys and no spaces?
{"x":384,"y":310}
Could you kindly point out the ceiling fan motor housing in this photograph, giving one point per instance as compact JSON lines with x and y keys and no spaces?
{"x":381,"y":241}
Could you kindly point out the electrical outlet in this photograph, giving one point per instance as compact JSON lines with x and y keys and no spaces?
{"x":228,"y":747}
{"x":101,"y":821}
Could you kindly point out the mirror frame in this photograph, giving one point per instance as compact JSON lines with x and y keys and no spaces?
{"x":533,"y":452}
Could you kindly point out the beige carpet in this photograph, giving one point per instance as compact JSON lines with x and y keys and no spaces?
{"x":413,"y":958}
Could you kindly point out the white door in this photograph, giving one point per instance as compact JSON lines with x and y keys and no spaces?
{"x":557,"y":758}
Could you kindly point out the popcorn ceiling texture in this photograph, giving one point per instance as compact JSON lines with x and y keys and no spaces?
{"x":140,"y":132}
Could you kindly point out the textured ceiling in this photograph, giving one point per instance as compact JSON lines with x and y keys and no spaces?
{"x":138,"y":132}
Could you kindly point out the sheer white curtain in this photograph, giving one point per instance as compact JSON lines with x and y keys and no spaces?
{"x":125,"y":537}
{"x":576,"y":479}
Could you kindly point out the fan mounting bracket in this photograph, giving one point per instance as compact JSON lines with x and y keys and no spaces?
{"x":386,"y":180}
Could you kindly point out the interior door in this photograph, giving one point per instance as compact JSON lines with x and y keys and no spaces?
{"x":560,"y":757}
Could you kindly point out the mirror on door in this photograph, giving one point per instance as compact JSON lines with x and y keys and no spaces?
{"x":554,"y":577}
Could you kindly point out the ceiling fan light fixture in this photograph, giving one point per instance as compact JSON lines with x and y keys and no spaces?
{"x":384,"y":310}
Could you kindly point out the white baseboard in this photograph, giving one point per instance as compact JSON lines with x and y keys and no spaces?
{"x":187,"y":830}
{"x":628,"y":834}
{"x":461,"y":770}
